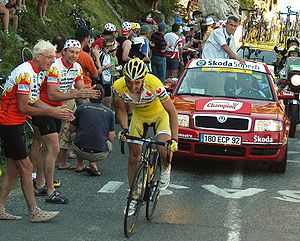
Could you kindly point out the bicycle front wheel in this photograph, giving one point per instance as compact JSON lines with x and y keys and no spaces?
{"x":152,"y":191}
{"x":136,"y":196}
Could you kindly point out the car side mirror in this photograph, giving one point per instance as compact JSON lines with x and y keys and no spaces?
{"x":285,"y":94}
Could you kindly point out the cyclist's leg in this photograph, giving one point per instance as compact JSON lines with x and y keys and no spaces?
{"x":163,"y":134}
{"x":136,"y":128}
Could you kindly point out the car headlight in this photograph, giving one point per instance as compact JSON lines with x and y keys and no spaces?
{"x":267,"y":125}
{"x":295,"y":80}
{"x":183,"y":120}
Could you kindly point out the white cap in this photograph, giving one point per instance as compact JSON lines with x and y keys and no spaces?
{"x":209,"y":21}
{"x":186,"y":29}
{"x":138,"y":40}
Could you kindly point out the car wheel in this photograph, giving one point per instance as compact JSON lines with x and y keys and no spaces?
{"x":279,"y":167}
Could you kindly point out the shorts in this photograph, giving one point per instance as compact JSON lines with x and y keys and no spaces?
{"x":92,"y":156}
{"x":172,"y":64}
{"x":65,"y":136}
{"x":107,"y":89}
{"x":46,"y":124}
{"x":13,"y":141}
{"x":139,"y":125}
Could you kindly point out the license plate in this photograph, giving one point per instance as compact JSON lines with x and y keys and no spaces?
{"x":231,"y":140}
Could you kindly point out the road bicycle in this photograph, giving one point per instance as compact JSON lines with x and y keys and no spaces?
{"x":79,"y":20}
{"x":26,"y":54}
{"x":145,"y":186}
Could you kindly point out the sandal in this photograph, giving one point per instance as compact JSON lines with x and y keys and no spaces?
{"x":7,"y":216}
{"x":37,"y":215}
{"x":85,"y":168}
{"x":93,"y":172}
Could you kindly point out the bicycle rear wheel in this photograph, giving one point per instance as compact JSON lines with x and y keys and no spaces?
{"x":152,"y":191}
{"x":136,"y":193}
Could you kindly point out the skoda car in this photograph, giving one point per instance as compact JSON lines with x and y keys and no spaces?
{"x":230,"y":111}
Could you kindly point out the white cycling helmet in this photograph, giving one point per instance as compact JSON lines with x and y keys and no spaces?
{"x":110,"y":27}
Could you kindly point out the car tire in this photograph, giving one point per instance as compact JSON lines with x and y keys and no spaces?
{"x":279,"y":167}
{"x":293,"y":115}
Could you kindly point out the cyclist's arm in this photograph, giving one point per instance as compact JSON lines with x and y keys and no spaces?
{"x":170,"y":108}
{"x":121,"y":113}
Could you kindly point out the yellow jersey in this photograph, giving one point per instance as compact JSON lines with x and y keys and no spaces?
{"x":152,"y":96}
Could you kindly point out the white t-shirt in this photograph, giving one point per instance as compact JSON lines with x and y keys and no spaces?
{"x":105,"y":60}
{"x":175,"y":43}
{"x":212,"y":48}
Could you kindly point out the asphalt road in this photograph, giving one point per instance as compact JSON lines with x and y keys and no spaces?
{"x":206,"y":201}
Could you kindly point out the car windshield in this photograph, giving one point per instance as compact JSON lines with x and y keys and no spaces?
{"x":231,"y":83}
{"x":264,"y":56}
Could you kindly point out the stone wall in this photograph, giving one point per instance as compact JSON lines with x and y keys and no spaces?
{"x":219,"y":9}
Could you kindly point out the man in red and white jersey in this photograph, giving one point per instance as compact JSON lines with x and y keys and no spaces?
{"x":55,"y":90}
{"x":20,"y":98}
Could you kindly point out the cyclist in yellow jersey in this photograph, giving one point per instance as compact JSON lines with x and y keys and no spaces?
{"x":151,"y":106}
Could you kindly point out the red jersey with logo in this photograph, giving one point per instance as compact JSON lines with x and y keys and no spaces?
{"x":62,"y":76}
{"x":25,"y":79}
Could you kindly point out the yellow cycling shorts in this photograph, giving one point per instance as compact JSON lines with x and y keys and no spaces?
{"x":139,"y":125}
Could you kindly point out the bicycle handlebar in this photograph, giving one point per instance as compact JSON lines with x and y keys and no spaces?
{"x":148,"y":140}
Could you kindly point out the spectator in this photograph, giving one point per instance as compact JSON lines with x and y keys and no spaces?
{"x":106,"y":65}
{"x":210,"y":23}
{"x":109,"y":30}
{"x":159,"y":48}
{"x":42,"y":8}
{"x":135,"y":51}
{"x":136,"y":29}
{"x":93,"y":140}
{"x":21,"y":98}
{"x":145,"y":49}
{"x":54,"y":91}
{"x":5,"y":17}
{"x":90,"y":71}
{"x":125,"y":42}
{"x":59,"y":42}
{"x":9,"y":12}
{"x":221,"y":43}
{"x":154,"y":6}
{"x":174,"y":51}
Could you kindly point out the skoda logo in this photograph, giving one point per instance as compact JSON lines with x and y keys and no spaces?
{"x":222,"y":118}
{"x":201,"y":63}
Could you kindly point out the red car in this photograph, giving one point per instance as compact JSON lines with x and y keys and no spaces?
{"x":229,"y":111}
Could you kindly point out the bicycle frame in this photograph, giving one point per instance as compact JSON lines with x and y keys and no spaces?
{"x":144,"y":187}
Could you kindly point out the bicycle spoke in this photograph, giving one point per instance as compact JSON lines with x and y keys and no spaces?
{"x":136,"y":195}
{"x":152,"y":191}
